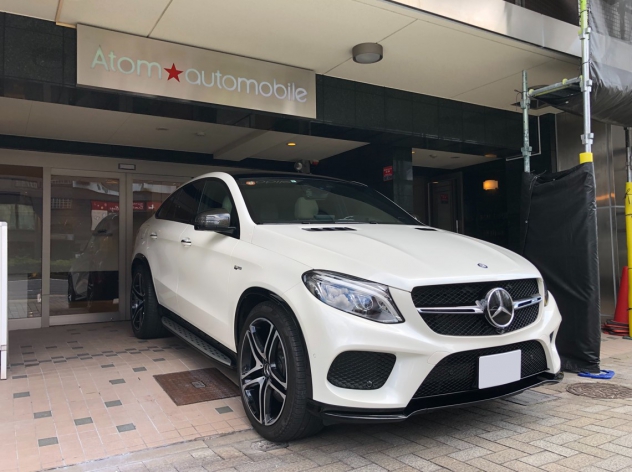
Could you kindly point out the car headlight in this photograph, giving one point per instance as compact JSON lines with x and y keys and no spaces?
{"x":356,"y":296}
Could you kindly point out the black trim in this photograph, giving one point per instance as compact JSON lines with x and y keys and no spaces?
{"x":201,"y":334}
{"x":334,"y":414}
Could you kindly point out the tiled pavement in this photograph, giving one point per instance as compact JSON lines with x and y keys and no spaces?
{"x":565,"y":433}
{"x":84,"y":392}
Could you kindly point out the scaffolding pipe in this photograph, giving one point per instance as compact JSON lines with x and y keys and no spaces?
{"x":555,"y":87}
{"x":586,"y":83}
{"x":524,"y":104}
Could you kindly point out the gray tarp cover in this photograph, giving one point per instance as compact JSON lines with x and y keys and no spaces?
{"x":611,"y":64}
{"x":559,"y":236}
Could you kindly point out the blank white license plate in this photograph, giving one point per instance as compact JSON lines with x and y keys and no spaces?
{"x":499,"y":369}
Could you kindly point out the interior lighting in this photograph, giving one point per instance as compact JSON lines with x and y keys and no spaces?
{"x":367,"y":53}
{"x":490,"y":185}
{"x":291,"y":144}
{"x":490,"y":155}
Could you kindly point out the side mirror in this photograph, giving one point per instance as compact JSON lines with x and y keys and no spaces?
{"x":217,"y":220}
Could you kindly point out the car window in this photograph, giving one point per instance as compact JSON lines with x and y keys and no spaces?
{"x":305,"y":200}
{"x":215,"y":194}
{"x":182,"y":205}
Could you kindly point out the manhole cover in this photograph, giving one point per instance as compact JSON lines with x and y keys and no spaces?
{"x":600,"y":390}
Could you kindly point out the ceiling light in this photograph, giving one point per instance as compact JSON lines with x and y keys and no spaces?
{"x":291,"y":144}
{"x":160,"y":128}
{"x":413,"y":152}
{"x":200,"y":133}
{"x":489,"y":154}
{"x":367,"y":53}
{"x":490,"y":185}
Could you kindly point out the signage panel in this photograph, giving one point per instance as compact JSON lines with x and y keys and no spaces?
{"x":118,"y":61}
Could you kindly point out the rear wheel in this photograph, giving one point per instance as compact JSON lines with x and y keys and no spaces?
{"x":274,"y":375}
{"x":144,"y":308}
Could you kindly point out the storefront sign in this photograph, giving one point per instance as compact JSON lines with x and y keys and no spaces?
{"x":387,"y":173}
{"x":118,"y":61}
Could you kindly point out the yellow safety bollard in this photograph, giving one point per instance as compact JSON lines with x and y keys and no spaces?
{"x":628,"y":234}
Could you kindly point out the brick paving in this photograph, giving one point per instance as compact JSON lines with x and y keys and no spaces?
{"x":564,"y":433}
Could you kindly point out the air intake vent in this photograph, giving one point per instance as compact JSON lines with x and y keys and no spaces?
{"x":330,"y":228}
{"x":426,"y":229}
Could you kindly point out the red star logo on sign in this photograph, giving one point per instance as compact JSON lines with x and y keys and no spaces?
{"x":173,"y":73}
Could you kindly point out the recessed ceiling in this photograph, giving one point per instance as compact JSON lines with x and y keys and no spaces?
{"x":446,"y":160}
{"x":72,"y":123}
{"x":422,"y":53}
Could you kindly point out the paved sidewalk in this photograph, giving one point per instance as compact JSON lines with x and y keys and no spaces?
{"x":563,"y":433}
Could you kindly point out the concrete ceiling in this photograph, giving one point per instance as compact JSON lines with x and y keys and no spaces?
{"x":422,"y":53}
{"x":447,"y":160}
{"x":71,"y":123}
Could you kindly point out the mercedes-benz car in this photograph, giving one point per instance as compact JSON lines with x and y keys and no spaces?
{"x":334,"y":304}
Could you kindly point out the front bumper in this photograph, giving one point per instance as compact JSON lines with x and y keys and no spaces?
{"x":329,"y":332}
{"x":334,"y":414}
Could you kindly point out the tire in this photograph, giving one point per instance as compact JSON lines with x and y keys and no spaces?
{"x":144,"y":309}
{"x":271,"y":351}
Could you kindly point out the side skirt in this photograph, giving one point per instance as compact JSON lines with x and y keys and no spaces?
{"x":198,"y":339}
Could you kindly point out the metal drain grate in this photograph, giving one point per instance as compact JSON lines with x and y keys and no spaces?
{"x":194,"y":386}
{"x":599,"y":390}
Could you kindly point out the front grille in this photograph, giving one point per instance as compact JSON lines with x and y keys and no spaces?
{"x":468,"y":324}
{"x":468,"y":294}
{"x":459,"y":372}
{"x":361,"y":370}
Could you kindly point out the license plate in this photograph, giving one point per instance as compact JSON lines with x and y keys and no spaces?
{"x":499,"y":369}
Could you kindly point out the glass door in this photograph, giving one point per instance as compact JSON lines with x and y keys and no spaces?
{"x":85,"y":244}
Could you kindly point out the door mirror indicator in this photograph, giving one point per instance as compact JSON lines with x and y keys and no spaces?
{"x":217,"y":220}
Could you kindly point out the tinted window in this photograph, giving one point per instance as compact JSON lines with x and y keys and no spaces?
{"x":182,"y":205}
{"x":312,"y":200}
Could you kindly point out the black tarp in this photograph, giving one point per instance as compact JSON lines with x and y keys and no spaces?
{"x":610,"y":22}
{"x":559,"y":236}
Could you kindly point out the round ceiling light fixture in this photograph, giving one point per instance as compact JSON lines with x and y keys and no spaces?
{"x":367,"y":53}
{"x":491,"y":155}
{"x":291,"y":144}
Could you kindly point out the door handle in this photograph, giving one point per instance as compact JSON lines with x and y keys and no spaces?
{"x":186,"y":242}
{"x":153,"y":236}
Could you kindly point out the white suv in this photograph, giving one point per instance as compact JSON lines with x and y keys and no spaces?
{"x":335,"y":305}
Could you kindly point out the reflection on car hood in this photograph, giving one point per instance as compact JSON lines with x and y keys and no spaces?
{"x":396,"y":255}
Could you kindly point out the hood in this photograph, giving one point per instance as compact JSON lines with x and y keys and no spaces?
{"x":399,"y":256}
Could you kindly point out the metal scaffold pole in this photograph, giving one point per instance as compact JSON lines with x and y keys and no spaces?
{"x":586,"y":83}
{"x":525,"y":104}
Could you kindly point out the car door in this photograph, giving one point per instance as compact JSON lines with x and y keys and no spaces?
{"x":165,"y":245}
{"x":205,"y":268}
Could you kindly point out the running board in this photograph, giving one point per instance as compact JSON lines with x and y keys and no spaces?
{"x":196,"y":342}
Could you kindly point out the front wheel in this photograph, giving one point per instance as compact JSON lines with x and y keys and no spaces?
{"x":274,"y":375}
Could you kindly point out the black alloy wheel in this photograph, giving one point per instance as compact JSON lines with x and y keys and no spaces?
{"x":274,"y":374}
{"x":264,"y":372}
{"x":137,"y":310}
{"x":144,"y":309}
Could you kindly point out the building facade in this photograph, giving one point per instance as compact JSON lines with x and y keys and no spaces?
{"x":109,"y":106}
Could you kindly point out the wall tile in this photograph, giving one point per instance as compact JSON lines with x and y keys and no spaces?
{"x":33,"y":55}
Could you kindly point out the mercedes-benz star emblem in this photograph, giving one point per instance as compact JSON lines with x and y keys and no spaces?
{"x":499,"y":309}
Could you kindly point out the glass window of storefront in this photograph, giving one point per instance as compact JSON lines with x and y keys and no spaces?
{"x":21,"y":207}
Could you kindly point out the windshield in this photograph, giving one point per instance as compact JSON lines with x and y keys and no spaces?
{"x":300,"y":200}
